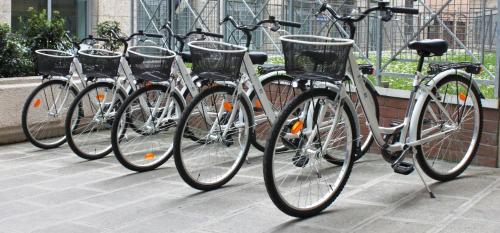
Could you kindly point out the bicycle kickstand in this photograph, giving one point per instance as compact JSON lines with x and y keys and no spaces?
{"x":417,"y":167}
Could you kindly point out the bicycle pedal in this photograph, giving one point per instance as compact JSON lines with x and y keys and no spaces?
{"x":403,"y":168}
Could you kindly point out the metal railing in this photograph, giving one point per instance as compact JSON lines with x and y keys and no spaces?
{"x":468,"y":25}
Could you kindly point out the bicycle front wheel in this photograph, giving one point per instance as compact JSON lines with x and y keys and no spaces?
{"x":153,"y":113}
{"x":213,"y":138}
{"x":92,"y":138}
{"x":459,"y":123}
{"x":44,"y":112}
{"x":302,"y":182}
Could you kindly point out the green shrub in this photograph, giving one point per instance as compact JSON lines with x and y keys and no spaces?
{"x":104,"y":31}
{"x":40,"y":33}
{"x":14,"y":56}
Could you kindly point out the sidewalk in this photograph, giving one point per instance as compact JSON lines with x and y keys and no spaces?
{"x":55,"y":191}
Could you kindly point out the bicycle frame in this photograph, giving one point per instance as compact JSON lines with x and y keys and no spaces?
{"x":409,"y":125}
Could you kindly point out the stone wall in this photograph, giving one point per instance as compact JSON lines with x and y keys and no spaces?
{"x":5,"y":9}
{"x":392,"y":109}
{"x":116,"y":10}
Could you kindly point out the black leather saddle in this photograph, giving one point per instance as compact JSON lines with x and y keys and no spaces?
{"x":427,"y":48}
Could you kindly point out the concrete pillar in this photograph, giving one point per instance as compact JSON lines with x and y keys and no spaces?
{"x":5,"y":11}
{"x":497,"y":79}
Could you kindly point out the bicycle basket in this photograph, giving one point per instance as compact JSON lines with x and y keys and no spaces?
{"x":316,"y":57}
{"x":150,"y":63}
{"x":99,"y":63}
{"x":220,"y":59}
{"x":53,"y":62}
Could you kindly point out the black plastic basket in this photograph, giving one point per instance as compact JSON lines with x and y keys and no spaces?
{"x":99,"y":63}
{"x":53,"y":62}
{"x":316,"y":57}
{"x":150,"y":63}
{"x":217,"y":58}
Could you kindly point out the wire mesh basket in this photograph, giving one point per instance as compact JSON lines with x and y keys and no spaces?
{"x":53,"y":62}
{"x":217,"y":58}
{"x":99,"y":63}
{"x":150,"y":63}
{"x":316,"y":57}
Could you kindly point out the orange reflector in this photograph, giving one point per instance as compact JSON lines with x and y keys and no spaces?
{"x":37,"y":103}
{"x":462,"y":96}
{"x":297,"y":127}
{"x":100,"y":97}
{"x":228,"y":106}
{"x":258,"y":104}
{"x":149,"y":83}
{"x":149,"y":156}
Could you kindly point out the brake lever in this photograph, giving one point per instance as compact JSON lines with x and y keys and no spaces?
{"x":276,"y":27}
{"x":388,"y":16}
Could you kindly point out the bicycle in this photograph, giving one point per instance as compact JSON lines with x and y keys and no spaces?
{"x":302,"y":182}
{"x":155,"y":108}
{"x":47,"y":105}
{"x":96,"y":105}
{"x":226,"y":70}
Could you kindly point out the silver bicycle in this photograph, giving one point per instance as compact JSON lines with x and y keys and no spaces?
{"x":46,"y":107}
{"x":442,"y":126}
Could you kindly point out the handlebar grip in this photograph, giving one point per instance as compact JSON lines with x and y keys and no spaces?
{"x":100,"y":39}
{"x":215,"y":35}
{"x":290,"y":24}
{"x":409,"y":11}
{"x":153,"y":35}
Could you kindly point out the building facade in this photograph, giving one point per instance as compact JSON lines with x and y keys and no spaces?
{"x":81,"y":16}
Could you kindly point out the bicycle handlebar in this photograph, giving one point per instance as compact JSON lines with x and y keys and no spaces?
{"x":247,"y":29}
{"x":350,"y":20}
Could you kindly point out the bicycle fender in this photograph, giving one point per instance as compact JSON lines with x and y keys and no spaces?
{"x":422,"y":96}
{"x":266,"y":76}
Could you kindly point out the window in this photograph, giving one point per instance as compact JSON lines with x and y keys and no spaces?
{"x":74,"y":13}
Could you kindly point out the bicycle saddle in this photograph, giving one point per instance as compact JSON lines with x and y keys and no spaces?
{"x":258,"y":58}
{"x":435,"y":47}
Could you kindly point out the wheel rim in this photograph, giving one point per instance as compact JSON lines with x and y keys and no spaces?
{"x":446,"y":155}
{"x":47,"y":112}
{"x":92,"y":136}
{"x":280,"y":93}
{"x":149,"y":141}
{"x":208,"y":158}
{"x":303,"y":178}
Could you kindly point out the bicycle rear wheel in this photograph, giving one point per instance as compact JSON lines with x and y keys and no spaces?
{"x":280,"y":91}
{"x":44,"y":112}
{"x":211,"y":144}
{"x":92,"y":138}
{"x":301,"y":182}
{"x":447,"y":157}
{"x":153,"y":115}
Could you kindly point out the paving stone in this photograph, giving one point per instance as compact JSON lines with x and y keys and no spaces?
{"x":16,"y":208}
{"x":383,"y":225}
{"x":130,"y":179}
{"x":24,"y":170}
{"x":464,"y":186}
{"x":385,"y":192}
{"x":116,"y":217}
{"x":133,"y":193}
{"x":424,"y":208}
{"x":292,"y":227}
{"x":68,"y":227}
{"x":364,"y":172}
{"x":343,"y":215}
{"x":259,"y":218}
{"x":21,"y":193}
{"x":468,"y":225}
{"x":23,"y":180}
{"x":488,"y":208}
{"x":79,"y":180}
{"x":166,"y":222}
{"x":64,"y":196}
{"x":83,"y":166}
{"x":48,"y":216}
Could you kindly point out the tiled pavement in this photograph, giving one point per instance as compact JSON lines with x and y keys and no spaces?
{"x":55,"y":191}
